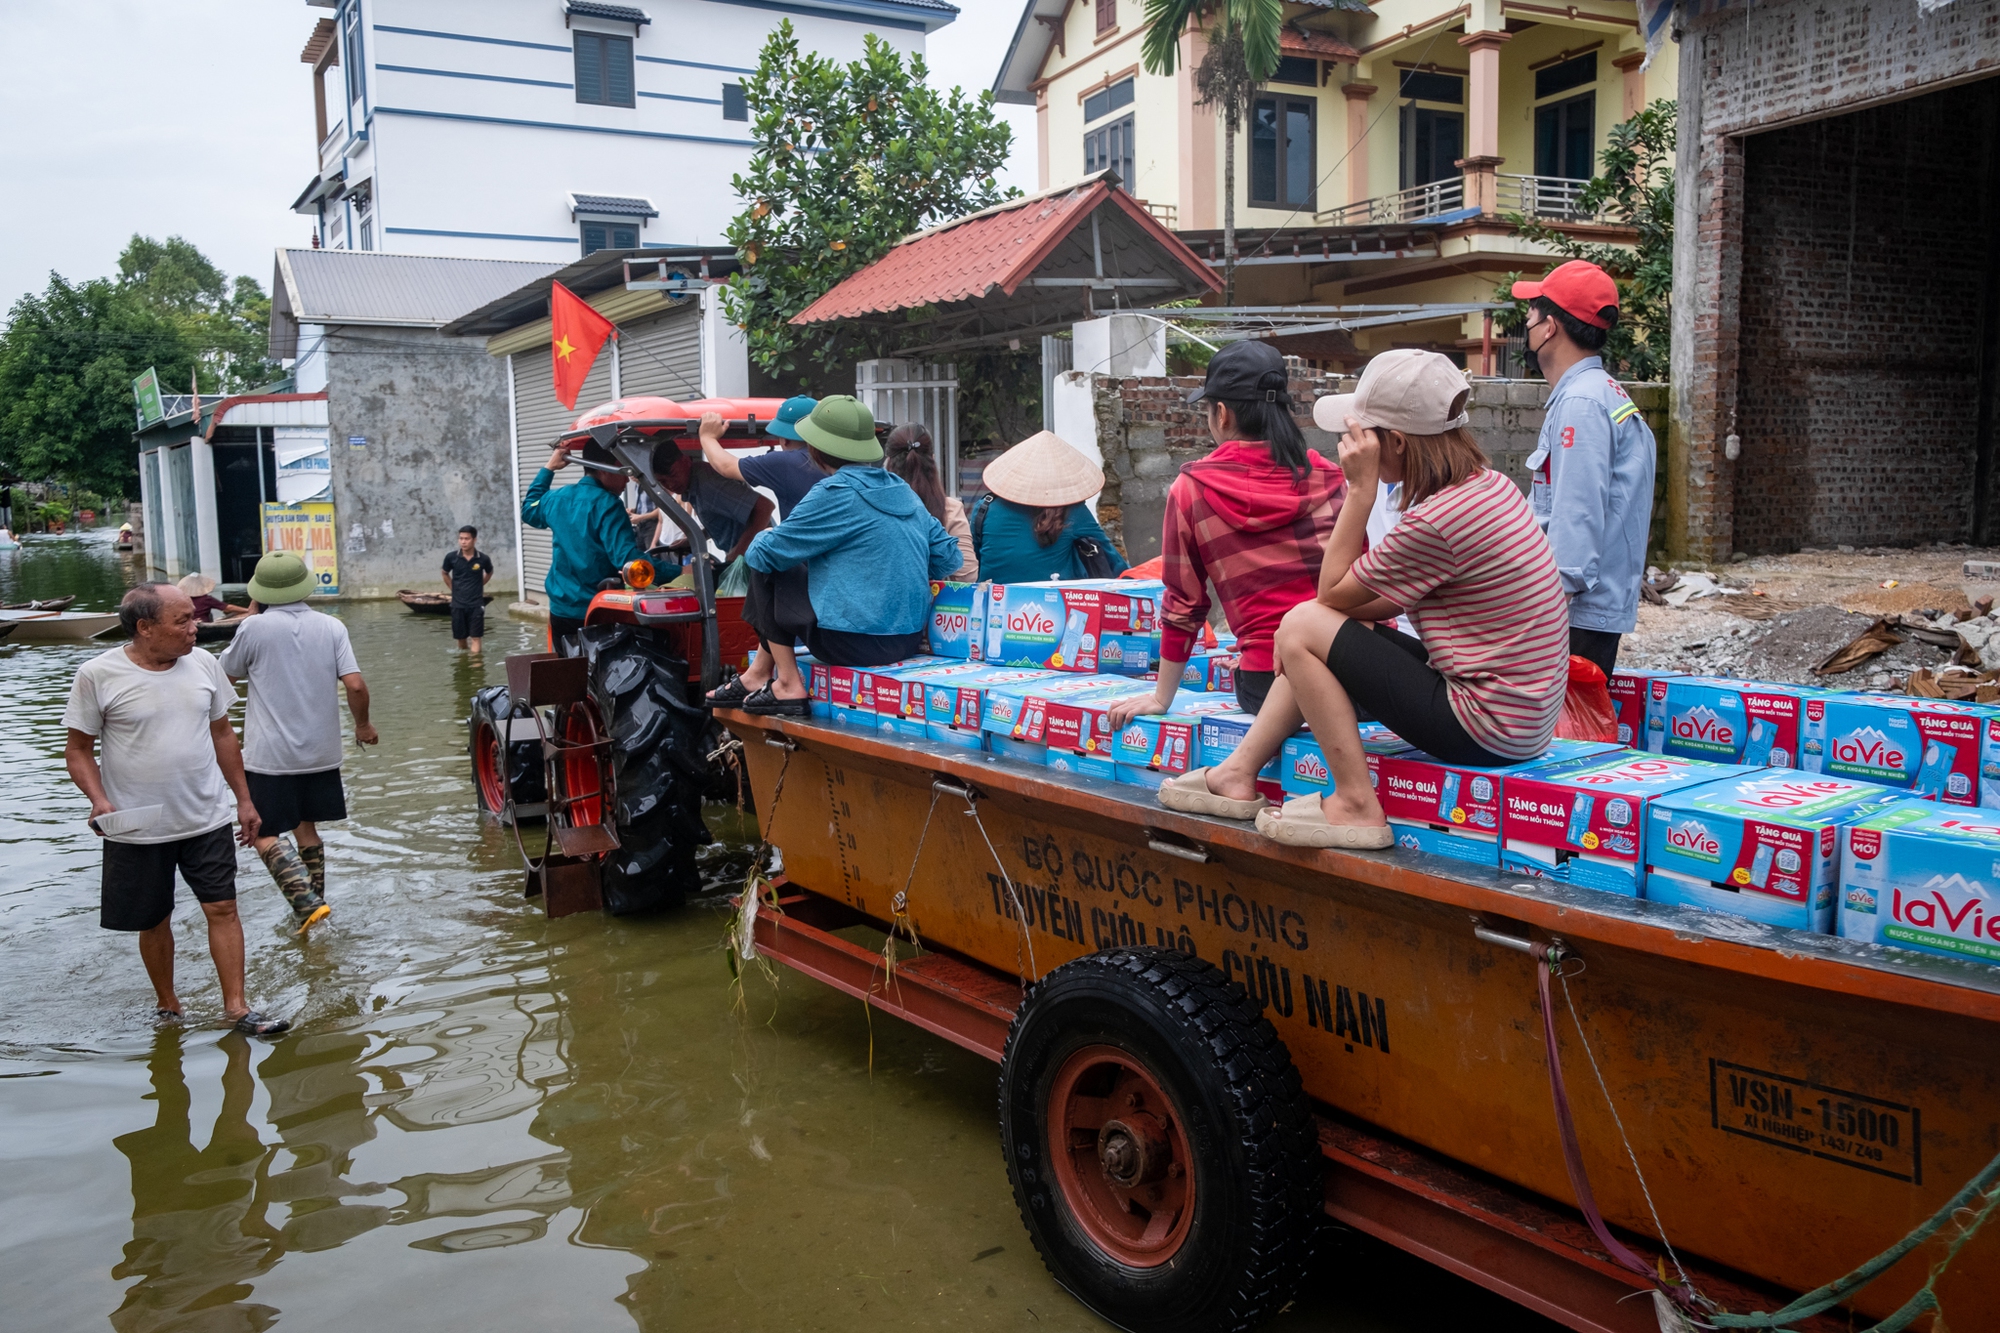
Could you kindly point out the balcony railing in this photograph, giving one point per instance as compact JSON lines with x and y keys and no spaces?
{"x":1411,"y":205}
{"x":1167,"y":215}
{"x":1551,"y":198}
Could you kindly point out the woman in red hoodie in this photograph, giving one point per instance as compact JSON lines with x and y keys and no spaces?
{"x":1252,"y":518}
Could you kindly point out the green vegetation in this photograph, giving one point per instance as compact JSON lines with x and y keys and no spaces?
{"x":1635,"y":188}
{"x":850,"y":159}
{"x":1242,"y":54}
{"x":68,"y":357}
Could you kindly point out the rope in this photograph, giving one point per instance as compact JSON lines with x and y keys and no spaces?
{"x":1033,"y":972}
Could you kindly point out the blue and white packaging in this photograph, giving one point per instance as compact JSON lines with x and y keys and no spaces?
{"x":1302,"y":766}
{"x":1026,"y":752}
{"x":1582,"y":821}
{"x":1639,"y":699}
{"x":1166,"y":744}
{"x":1453,"y":810}
{"x":955,"y":706}
{"x":1935,"y":748}
{"x":1729,"y":721}
{"x":1221,"y":733}
{"x":1762,"y":845}
{"x":1090,"y":765}
{"x":1924,"y":876}
{"x":958,"y":611}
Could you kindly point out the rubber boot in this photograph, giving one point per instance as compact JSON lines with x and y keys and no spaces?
{"x":282,"y":860}
{"x":315,"y":861}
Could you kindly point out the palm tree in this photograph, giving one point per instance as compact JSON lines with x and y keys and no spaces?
{"x":1242,"y":53}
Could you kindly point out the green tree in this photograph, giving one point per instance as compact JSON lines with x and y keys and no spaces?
{"x":69,"y":355}
{"x":1635,"y":188}
{"x":850,"y":159}
{"x":1242,"y":54}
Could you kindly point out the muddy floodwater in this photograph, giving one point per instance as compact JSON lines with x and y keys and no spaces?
{"x":482,"y":1119}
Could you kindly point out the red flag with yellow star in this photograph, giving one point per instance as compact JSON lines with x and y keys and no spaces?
{"x":577,"y":333}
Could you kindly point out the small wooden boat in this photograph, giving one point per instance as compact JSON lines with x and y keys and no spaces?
{"x":430,"y":603}
{"x":5,"y":630}
{"x":217,"y":631}
{"x":125,"y":544}
{"x":57,"y":626}
{"x":46,"y":604}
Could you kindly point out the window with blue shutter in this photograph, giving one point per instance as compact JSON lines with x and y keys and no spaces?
{"x":603,"y":69}
{"x":735,"y":106}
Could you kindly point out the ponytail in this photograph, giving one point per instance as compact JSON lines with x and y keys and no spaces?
{"x":907,"y":453}
{"x":1050,"y":522}
{"x":1269,"y":420}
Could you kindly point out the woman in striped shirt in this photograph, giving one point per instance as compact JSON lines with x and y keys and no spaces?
{"x":1469,"y":565}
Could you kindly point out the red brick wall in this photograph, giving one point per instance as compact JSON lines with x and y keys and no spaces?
{"x":1862,"y":295}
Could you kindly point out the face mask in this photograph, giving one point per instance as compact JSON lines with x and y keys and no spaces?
{"x":1530,"y":356}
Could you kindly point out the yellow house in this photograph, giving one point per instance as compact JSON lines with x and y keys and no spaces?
{"x":1376,"y":165}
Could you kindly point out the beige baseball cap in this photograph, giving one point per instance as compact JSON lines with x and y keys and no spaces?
{"x":1415,"y":392}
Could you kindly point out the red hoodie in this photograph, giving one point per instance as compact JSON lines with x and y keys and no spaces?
{"x":1242,"y":522}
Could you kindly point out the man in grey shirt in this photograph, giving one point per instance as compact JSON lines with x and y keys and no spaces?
{"x":292,"y":656}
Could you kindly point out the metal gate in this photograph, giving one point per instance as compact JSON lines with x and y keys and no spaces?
{"x":902,"y":392}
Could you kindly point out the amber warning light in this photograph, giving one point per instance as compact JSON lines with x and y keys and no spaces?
{"x":639,"y":573}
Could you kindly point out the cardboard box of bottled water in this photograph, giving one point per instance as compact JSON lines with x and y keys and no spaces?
{"x":1582,"y":821}
{"x":1057,"y":625}
{"x":1451,"y":809}
{"x":1762,"y":845}
{"x":955,"y":706}
{"x":1048,"y":713}
{"x":1302,"y":765}
{"x":1728,"y":721}
{"x":958,"y":611}
{"x":896,"y":692}
{"x":1933,"y":748}
{"x":1210,"y":671}
{"x":1924,"y":876}
{"x":1639,"y":699}
{"x":1090,"y":765}
{"x":1221,"y":733}
{"x":1165,"y":744}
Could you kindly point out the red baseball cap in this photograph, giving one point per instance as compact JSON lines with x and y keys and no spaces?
{"x":1579,"y":288}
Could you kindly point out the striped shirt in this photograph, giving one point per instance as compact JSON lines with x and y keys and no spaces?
{"x":1477,"y":577}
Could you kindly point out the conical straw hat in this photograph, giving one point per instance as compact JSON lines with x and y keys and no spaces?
{"x":1044,"y":471}
{"x":197,"y":585}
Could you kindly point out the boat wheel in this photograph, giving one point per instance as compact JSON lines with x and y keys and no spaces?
{"x":1159,"y":1143}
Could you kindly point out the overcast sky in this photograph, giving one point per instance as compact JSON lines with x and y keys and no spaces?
{"x":195,"y":119}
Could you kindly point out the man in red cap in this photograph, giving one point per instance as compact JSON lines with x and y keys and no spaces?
{"x":1592,"y":467}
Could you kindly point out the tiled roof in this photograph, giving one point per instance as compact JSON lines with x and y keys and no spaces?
{"x":590,"y":9}
{"x":976,"y":255}
{"x":618,"y":205}
{"x":1318,"y":45}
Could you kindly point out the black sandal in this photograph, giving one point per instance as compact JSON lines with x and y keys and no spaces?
{"x":257,"y":1025}
{"x":766,"y":703}
{"x":730,"y":694}
{"x":167,"y":1018}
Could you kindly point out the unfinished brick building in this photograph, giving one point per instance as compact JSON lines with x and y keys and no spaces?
{"x":1836,"y":275}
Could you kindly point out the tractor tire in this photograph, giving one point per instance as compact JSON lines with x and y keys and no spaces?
{"x":1160,"y":1143}
{"x":495,"y":774}
{"x":658,"y":768}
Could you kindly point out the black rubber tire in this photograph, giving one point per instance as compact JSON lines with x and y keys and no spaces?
{"x":524,"y":760}
{"x":1257,"y":1170}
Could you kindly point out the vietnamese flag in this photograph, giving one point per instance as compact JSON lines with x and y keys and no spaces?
{"x":577,"y":333}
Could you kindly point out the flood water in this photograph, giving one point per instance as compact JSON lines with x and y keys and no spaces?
{"x":483,"y":1119}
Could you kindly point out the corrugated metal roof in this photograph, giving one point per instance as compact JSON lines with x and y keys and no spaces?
{"x":375,"y":287}
{"x":618,"y":205}
{"x":590,"y":9}
{"x":996,"y":249}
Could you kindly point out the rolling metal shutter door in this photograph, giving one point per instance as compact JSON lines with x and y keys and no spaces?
{"x":662,"y":358}
{"x":538,"y":420}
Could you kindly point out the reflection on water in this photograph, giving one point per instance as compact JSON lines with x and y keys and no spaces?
{"x":483,"y":1119}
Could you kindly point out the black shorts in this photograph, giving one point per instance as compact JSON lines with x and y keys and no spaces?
{"x":1389,"y":677}
{"x":468,"y":622}
{"x":138,"y":889}
{"x":1595,"y":645}
{"x":1252,"y":687}
{"x":286,"y":800}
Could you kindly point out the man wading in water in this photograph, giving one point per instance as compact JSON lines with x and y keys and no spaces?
{"x":292,"y":656}
{"x":158,"y":708}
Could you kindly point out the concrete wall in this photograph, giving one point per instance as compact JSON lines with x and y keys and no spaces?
{"x":1146,"y":431}
{"x":434,"y":413}
{"x":1816,"y":268}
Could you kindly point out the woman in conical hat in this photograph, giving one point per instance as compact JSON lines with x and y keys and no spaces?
{"x":1030,"y":525}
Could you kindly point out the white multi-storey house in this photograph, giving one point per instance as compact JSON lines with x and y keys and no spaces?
{"x":547,"y":129}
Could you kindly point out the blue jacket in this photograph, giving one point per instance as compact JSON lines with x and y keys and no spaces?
{"x":1009,"y":553}
{"x":592,"y":538}
{"x":870,"y":549}
{"x":1592,"y":492}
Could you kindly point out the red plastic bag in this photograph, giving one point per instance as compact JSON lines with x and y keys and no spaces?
{"x":1587,"y":713}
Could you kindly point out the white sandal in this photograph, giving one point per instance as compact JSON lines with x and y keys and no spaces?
{"x":1189,"y":794}
{"x":1300,"y":822}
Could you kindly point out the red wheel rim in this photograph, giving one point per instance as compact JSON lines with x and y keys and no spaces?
{"x":582,"y":776}
{"x":487,"y":766}
{"x":1121,"y":1156}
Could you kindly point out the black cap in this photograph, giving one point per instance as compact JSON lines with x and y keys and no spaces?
{"x":1244,"y":372}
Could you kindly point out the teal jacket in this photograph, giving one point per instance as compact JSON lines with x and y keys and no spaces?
{"x":1009,"y":553}
{"x":592,"y":538}
{"x":870,"y":549}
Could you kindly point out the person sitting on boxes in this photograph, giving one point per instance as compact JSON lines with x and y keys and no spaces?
{"x":865,"y":549}
{"x":1467,"y":562}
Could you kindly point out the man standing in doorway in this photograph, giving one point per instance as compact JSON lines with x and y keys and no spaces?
{"x":589,"y":532}
{"x":150,"y":744}
{"x":466,"y":572}
{"x":292,"y":656}
{"x":1592,"y":468}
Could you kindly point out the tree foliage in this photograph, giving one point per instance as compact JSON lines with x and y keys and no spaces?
{"x":70,"y":353}
{"x":850,"y":159}
{"x":1635,"y":188}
